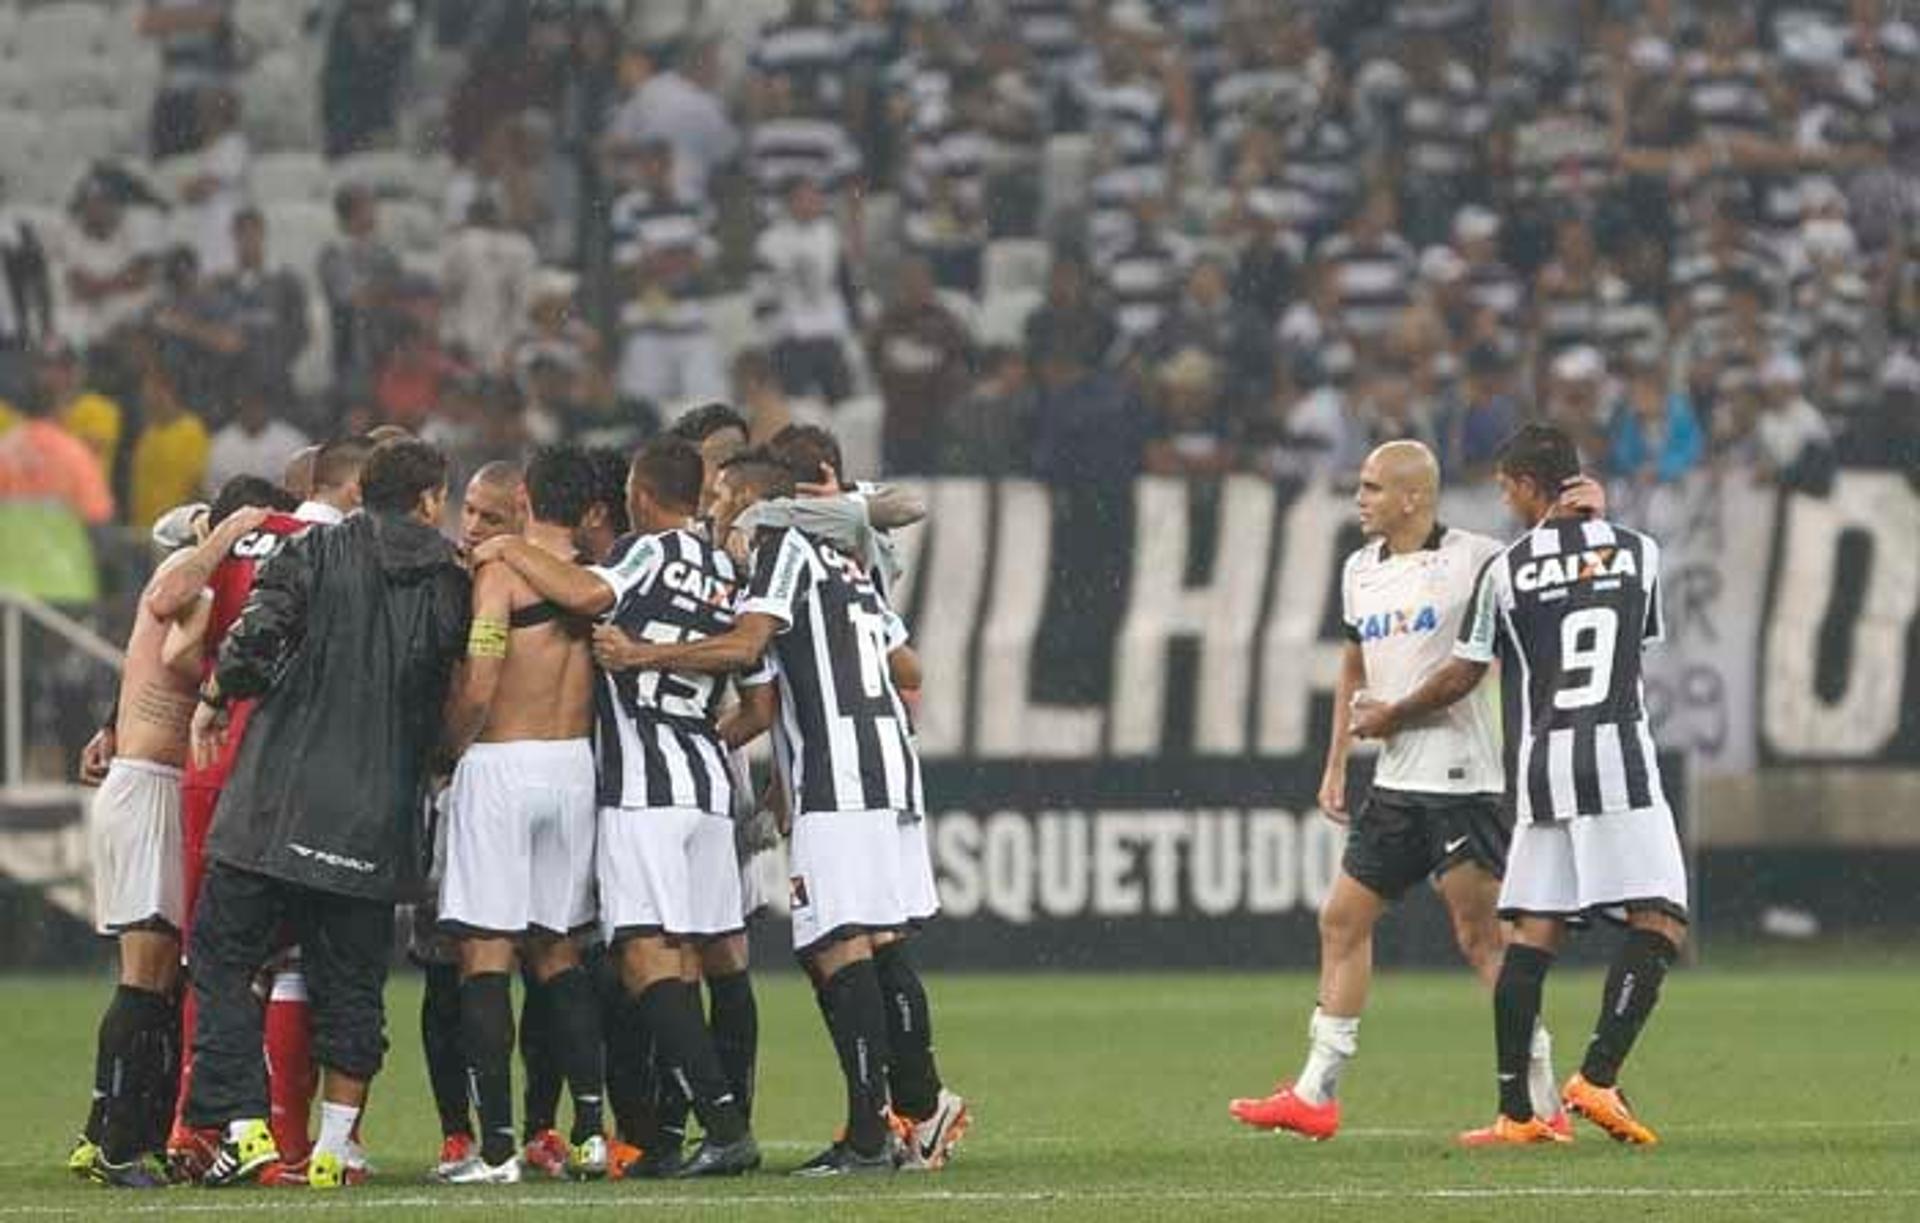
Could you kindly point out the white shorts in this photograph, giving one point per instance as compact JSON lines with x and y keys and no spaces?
{"x":520,"y":838}
{"x":857,"y":872}
{"x":1596,"y":865}
{"x":759,"y":877}
{"x":139,"y":869}
{"x":667,"y":870}
{"x":917,"y":890}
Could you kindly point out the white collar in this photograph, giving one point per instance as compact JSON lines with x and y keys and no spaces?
{"x":318,"y":512}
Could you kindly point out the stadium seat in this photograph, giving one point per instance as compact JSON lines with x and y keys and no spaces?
{"x":88,"y":133}
{"x":266,"y":26}
{"x":880,"y":226}
{"x":290,"y":176}
{"x":1014,"y":264}
{"x":411,"y":225}
{"x":964,"y":308}
{"x":278,"y":106}
{"x":857,"y":422}
{"x":731,"y":318}
{"x":21,"y":132}
{"x":57,"y":33}
{"x":89,"y":82}
{"x":1003,"y":316}
{"x":394,"y":173}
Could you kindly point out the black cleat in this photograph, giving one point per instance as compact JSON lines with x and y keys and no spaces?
{"x":841,"y":1159}
{"x":721,"y":1159}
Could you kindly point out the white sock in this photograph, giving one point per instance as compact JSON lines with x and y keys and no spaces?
{"x":1541,"y":1085}
{"x":236,"y":1130}
{"x":1331,"y":1041}
{"x":336,"y":1128}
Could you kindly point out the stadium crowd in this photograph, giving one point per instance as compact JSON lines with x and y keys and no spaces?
{"x":1055,"y":238}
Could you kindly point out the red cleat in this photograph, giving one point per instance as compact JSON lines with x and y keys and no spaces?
{"x":1285,"y":1111}
{"x":547,"y":1152}
{"x":283,"y":1175}
{"x":190,"y":1152}
{"x":455,"y":1149}
{"x":1562,"y":1124}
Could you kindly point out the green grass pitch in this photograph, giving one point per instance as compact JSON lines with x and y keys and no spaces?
{"x":1781,"y":1093}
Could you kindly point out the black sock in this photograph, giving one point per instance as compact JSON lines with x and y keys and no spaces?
{"x":672,"y":1013}
{"x":164,"y":1092}
{"x":440,"y":1039}
{"x":629,"y":1071}
{"x":486,"y":1037}
{"x":540,"y":1096}
{"x":573,"y":1013}
{"x":95,"y":1129}
{"x":1633,"y":987}
{"x":912,"y":1077}
{"x":858,"y":1019}
{"x":134,"y":1034}
{"x":1516,"y":1009}
{"x":733,"y":1017}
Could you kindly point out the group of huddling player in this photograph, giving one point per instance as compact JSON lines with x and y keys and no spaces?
{"x":587,"y":667}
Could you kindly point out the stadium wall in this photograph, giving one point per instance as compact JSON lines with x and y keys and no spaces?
{"x":1128,"y":688}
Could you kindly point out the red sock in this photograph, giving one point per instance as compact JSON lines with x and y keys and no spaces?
{"x":290,"y":1074}
{"x":189,"y":1018}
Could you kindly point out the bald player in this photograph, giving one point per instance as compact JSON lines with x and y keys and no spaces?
{"x":298,"y":476}
{"x":491,"y":504}
{"x":1437,"y":810}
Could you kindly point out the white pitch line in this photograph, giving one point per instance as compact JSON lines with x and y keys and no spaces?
{"x":245,"y":1202}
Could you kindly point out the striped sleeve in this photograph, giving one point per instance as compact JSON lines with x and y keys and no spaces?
{"x":1479,"y":628}
{"x":633,"y":567}
{"x":779,"y":571}
{"x":1655,"y":631}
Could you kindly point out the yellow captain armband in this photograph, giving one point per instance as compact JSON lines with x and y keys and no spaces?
{"x":487,"y":638}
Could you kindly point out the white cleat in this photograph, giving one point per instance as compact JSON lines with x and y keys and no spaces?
{"x":477,"y":1171}
{"x":929,"y":1144}
{"x":588,"y":1160}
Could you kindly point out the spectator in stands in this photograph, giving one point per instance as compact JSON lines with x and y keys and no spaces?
{"x":1496,"y":291}
{"x":806,"y":52}
{"x":1794,"y":441}
{"x":804,"y":296}
{"x":217,"y":185}
{"x":589,"y":93}
{"x":1206,"y":317}
{"x":1013,"y":114}
{"x":1387,"y":406}
{"x":1575,"y":400}
{"x":81,"y":410}
{"x":517,"y":64}
{"x":989,"y":433}
{"x":268,"y":306}
{"x":1301,"y":429}
{"x":366,"y":63}
{"x":197,"y":51}
{"x":170,"y":456}
{"x":1371,"y":268}
{"x":921,"y":356}
{"x":359,"y":274}
{"x":41,"y":461}
{"x":26,"y":288}
{"x":1071,"y":310}
{"x":664,"y":248}
{"x":1142,"y":276}
{"x":759,"y":396}
{"x":1189,"y":433}
{"x":106,"y":262}
{"x":1089,"y":425}
{"x":486,"y":274}
{"x":554,"y":332}
{"x":200,"y":347}
{"x":1830,"y":300}
{"x":794,"y":141}
{"x":255,"y":442}
{"x":1654,"y":436}
{"x":506,"y":169}
{"x":674,"y":97}
{"x":412,"y":370}
{"x":1478,"y":416}
{"x":944,"y":193}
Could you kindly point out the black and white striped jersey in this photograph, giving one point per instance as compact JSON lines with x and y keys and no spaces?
{"x":654,"y":731}
{"x":813,"y":55}
{"x":1373,"y":280}
{"x":782,"y":152}
{"x":1567,"y":610}
{"x":645,"y":225}
{"x":843,"y":738}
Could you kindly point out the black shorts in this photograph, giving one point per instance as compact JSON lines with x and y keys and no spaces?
{"x":1401,"y":837}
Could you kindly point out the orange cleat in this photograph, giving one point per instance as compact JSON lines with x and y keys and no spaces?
{"x":1608,"y":1109}
{"x":1506,"y":1132}
{"x":455,"y":1149}
{"x":619,"y":1156}
{"x":1283,"y":1110}
{"x":282,"y":1175}
{"x":547,"y":1152}
{"x":1562,"y":1124}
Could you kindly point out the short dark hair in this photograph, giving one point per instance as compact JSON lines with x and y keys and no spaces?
{"x":708,"y":419}
{"x":346,"y":197}
{"x":760,"y":471}
{"x":805,"y":449}
{"x":1542,"y":453}
{"x":243,"y":491}
{"x":671,"y":470}
{"x":561,"y":484}
{"x":610,"y":485}
{"x":341,"y":461}
{"x":397,"y":472}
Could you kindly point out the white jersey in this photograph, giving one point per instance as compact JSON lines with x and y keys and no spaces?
{"x":1404,"y":612}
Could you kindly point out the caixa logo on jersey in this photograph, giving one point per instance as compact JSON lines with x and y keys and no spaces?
{"x":1591,"y":564}
{"x":1400,"y":622}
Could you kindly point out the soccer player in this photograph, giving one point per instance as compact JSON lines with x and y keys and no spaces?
{"x":669,"y":881}
{"x":139,"y":889}
{"x":1568,"y":609}
{"x":490,"y":506}
{"x":1437,"y":808}
{"x":228,"y":578}
{"x":859,"y":855}
{"x":521,"y":828}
